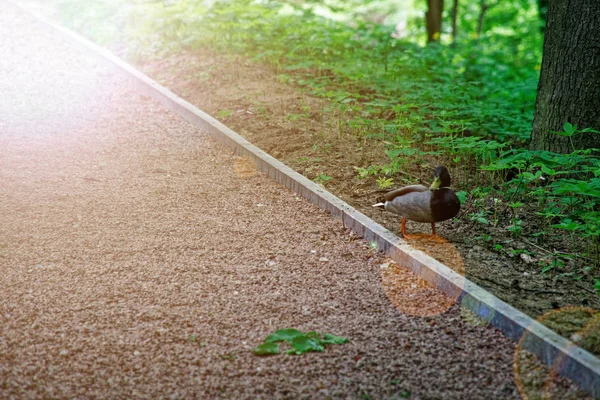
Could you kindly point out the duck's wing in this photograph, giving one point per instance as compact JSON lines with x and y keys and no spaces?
{"x":405,"y":190}
{"x":415,"y":206}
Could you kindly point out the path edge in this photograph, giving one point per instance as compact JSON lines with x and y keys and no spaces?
{"x":560,"y":354}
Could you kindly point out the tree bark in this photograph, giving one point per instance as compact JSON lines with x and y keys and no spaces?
{"x":454,"y":18}
{"x":569,"y":86}
{"x":433,"y":19}
{"x":483,"y":9}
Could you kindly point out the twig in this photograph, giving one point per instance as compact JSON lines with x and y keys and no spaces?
{"x":553,"y":252}
{"x":536,"y":246}
{"x":409,"y":175}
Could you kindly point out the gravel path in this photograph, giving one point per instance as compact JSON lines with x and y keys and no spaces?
{"x":140,"y":259}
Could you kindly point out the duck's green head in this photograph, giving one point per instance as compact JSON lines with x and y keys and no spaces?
{"x":441,"y":178}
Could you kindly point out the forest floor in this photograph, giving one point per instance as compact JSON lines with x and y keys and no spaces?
{"x":280,"y":119}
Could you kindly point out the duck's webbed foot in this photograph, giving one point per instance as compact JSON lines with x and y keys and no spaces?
{"x":434,"y":237}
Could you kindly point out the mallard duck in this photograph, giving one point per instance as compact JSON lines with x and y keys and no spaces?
{"x":419,"y":203}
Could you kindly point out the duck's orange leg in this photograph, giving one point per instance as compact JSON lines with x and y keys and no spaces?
{"x":434,"y":236}
{"x":403,"y":230}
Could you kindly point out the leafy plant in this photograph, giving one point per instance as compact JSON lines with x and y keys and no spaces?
{"x":322,"y":179}
{"x":479,"y":217}
{"x":385,"y":183}
{"x":462,"y":196}
{"x":516,"y":228}
{"x":300,"y":343}
{"x":365,"y":172}
{"x":225,"y":113}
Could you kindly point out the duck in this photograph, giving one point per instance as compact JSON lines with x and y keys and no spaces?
{"x":420,"y":203}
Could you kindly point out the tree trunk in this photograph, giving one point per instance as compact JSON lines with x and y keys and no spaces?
{"x":483,"y":9}
{"x":454,"y":18}
{"x":569,"y":87}
{"x":433,"y":19}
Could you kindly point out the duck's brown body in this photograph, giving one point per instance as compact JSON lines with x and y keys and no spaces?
{"x":410,"y":202}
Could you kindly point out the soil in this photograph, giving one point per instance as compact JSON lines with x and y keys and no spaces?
{"x":250,"y":99}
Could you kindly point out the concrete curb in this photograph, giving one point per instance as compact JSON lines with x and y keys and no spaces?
{"x":562,"y":355}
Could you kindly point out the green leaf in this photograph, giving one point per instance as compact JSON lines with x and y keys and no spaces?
{"x":482,"y":220}
{"x":588,"y":130}
{"x":313,"y":335}
{"x":395,"y":153}
{"x":322,"y":178}
{"x":332,"y":339}
{"x":569,"y":128}
{"x":266,"y":349}
{"x":300,"y":342}
{"x":462,"y":196}
{"x":304,"y":344}
{"x":548,"y":171}
{"x":568,"y":225}
{"x":547,"y":268}
{"x":283,"y":335}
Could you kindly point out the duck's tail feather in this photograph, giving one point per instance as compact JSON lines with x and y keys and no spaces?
{"x":379,"y":205}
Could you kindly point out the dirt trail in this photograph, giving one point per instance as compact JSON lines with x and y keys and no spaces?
{"x":140,"y":259}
